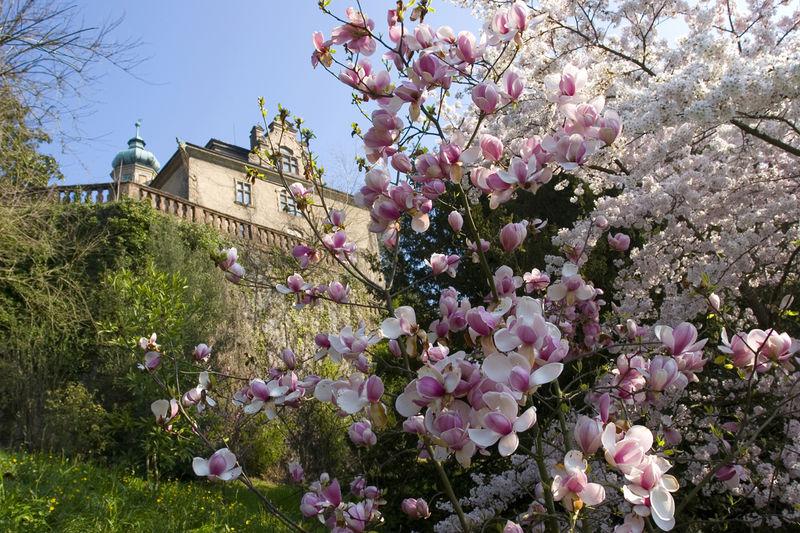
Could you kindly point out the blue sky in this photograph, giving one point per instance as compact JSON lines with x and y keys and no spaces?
{"x":208,"y":63}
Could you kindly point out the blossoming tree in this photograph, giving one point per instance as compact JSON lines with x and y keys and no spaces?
{"x":574,"y":407}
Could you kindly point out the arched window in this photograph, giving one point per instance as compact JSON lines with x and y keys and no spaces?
{"x":289,"y":161}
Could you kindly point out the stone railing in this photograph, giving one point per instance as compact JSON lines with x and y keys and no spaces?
{"x":165,"y":202}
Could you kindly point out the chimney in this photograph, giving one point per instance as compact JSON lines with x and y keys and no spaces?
{"x":256,"y":137}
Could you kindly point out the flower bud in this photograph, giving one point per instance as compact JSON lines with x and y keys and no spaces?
{"x":456,"y":221}
{"x":289,"y":358}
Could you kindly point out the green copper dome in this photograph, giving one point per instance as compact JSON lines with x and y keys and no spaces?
{"x":136,"y":154}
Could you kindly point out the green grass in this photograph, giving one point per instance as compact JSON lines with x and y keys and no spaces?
{"x":41,"y":492}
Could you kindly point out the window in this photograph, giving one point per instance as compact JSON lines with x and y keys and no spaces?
{"x":289,"y":161}
{"x":244,"y":193}
{"x":288,"y":204}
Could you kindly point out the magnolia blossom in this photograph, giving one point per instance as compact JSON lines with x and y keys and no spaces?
{"x":588,"y":433}
{"x":649,"y":491}
{"x":486,"y":98}
{"x":361,"y":433}
{"x":501,"y":423}
{"x":221,"y":465}
{"x":201,"y":353}
{"x":535,"y":280}
{"x":513,"y":235}
{"x":571,"y":487}
{"x":456,"y":221}
{"x":571,"y":288}
{"x":441,"y":263}
{"x":165,"y":410}
{"x":619,"y":242}
{"x":356,"y":33}
{"x":565,"y":88}
{"x":415,"y":508}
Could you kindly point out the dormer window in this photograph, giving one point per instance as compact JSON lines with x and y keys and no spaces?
{"x":244,"y":193}
{"x":288,"y":205}
{"x":289,"y":161}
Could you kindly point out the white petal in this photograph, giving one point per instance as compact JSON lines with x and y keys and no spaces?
{"x":324,"y":390}
{"x":508,"y":444}
{"x":527,"y":307}
{"x":670,"y":483}
{"x":483,"y":437}
{"x":405,"y":405}
{"x":497,"y":367}
{"x":574,"y":461}
{"x":390,"y":328}
{"x":505,"y":340}
{"x":546,"y":373}
{"x":200,"y":466}
{"x":556,"y":292}
{"x":503,"y":402}
{"x":253,"y":407}
{"x":593,"y":494}
{"x":231,"y":474}
{"x":662,"y":504}
{"x":350,"y":401}
{"x":525,"y":420}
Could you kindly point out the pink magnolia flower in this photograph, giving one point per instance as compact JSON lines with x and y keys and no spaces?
{"x":221,"y":465}
{"x":535,"y":280}
{"x":627,"y":453}
{"x":569,"y":151}
{"x":322,"y":52}
{"x":683,"y":339}
{"x":663,"y":373}
{"x":456,"y":221}
{"x":564,"y":88}
{"x":165,"y":411}
{"x":633,"y":524}
{"x":152,"y":360}
{"x":528,"y":175}
{"x":609,"y":126}
{"x":491,"y":147}
{"x":511,"y":86}
{"x":267,"y":396}
{"x":429,"y":71}
{"x":294,"y":284}
{"x":588,"y":433}
{"x":571,"y":287}
{"x":415,"y":508}
{"x":649,"y":491}
{"x":356,"y":33}
{"x":361,"y":434}
{"x":571,"y":486}
{"x":441,"y":263}
{"x":296,"y":472}
{"x":305,"y":255}
{"x":473,"y":248}
{"x":201,"y":352}
{"x":299,"y":192}
{"x":509,"y":24}
{"x":483,"y":322}
{"x":619,"y":242}
{"x":338,"y":293}
{"x":403,"y":323}
{"x":731,"y":475}
{"x":501,"y":423}
{"x":486,"y":98}
{"x":512,"y":527}
{"x":289,"y":358}
{"x":513,"y":235}
{"x":401,"y":163}
{"x":467,"y":48}
{"x":235,"y":273}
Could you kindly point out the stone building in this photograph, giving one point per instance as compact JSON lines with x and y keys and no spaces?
{"x":210,"y":184}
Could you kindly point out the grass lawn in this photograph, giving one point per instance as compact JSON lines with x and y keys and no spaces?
{"x":41,"y":492}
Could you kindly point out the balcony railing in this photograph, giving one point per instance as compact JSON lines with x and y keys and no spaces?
{"x":165,"y":202}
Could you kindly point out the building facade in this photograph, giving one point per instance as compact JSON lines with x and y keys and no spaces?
{"x":215,"y":178}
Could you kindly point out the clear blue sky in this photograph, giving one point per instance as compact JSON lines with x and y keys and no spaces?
{"x":208,"y":63}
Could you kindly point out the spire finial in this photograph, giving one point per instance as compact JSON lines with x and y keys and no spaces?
{"x":138,"y":125}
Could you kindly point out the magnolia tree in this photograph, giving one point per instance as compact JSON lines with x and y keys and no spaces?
{"x":571,"y":408}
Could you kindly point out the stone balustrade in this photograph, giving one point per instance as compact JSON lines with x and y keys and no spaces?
{"x":99,"y":193}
